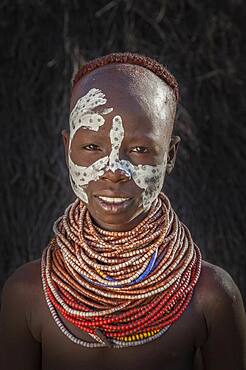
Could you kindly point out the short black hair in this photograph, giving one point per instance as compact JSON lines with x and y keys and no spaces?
{"x":129,"y":58}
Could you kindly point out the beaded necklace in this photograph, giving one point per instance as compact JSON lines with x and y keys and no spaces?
{"x":122,"y":288}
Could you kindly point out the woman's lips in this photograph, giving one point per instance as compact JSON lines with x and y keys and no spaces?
{"x":111,"y":206}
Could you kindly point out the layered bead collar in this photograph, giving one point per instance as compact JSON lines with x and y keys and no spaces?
{"x":122,"y":288}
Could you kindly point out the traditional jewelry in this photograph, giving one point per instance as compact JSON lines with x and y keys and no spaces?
{"x":123,"y":288}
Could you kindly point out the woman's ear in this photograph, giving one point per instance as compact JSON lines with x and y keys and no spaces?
{"x":65,"y":136}
{"x":173,"y":147}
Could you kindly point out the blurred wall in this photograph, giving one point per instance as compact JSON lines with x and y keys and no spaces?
{"x":201,"y":42}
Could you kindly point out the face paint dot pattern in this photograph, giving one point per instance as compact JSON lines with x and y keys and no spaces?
{"x":83,"y":114}
{"x":142,"y":175}
{"x":147,"y":177}
{"x":89,"y":173}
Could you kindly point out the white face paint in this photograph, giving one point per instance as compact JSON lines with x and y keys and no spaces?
{"x":84,"y":115}
{"x":147,"y":177}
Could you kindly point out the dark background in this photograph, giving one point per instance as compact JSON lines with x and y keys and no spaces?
{"x":202,"y":44}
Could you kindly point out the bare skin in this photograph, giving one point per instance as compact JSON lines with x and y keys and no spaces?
{"x":214,"y":321}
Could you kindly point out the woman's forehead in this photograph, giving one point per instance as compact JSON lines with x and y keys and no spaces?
{"x":125,"y":81}
{"x":133,"y":92}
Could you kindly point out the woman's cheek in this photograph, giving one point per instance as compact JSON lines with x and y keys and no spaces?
{"x":151,"y":179}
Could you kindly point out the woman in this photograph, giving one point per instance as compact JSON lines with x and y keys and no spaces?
{"x":121,"y":285}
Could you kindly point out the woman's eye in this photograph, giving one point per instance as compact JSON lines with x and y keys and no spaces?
{"x":90,"y":147}
{"x":140,"y":149}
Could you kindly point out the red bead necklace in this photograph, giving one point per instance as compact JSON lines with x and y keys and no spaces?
{"x":122,"y":288}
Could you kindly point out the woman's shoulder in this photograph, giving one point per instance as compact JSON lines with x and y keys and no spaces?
{"x":217,"y":279}
{"x":24,"y":281}
{"x":217,"y":290}
{"x":26,"y":272}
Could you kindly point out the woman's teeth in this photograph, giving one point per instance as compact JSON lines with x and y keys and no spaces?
{"x":113,"y":200}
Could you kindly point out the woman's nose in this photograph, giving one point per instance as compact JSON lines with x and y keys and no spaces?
{"x":117,"y":175}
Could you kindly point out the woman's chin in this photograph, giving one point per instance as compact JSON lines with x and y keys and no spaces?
{"x":117,"y":221}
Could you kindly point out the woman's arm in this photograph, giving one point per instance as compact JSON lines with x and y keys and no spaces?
{"x":225,"y":347}
{"x":18,"y":348}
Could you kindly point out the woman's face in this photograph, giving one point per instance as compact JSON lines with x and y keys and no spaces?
{"x":121,"y":121}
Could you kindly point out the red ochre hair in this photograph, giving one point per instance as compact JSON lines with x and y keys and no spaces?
{"x":129,"y":58}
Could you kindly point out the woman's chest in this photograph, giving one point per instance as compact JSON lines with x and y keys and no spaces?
{"x":60,"y":353}
{"x":174,"y":350}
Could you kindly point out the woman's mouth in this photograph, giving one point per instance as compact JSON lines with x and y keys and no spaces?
{"x":113,"y":204}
